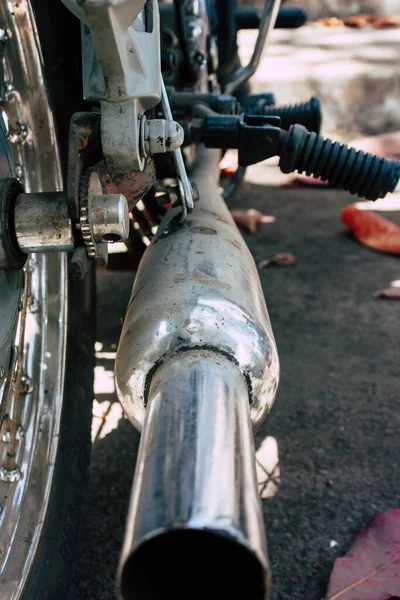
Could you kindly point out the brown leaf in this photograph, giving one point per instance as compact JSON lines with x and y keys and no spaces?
{"x":371,"y":568}
{"x":376,"y":21}
{"x":285,"y":259}
{"x":390,"y":293}
{"x":249,"y":219}
{"x":331,"y":22}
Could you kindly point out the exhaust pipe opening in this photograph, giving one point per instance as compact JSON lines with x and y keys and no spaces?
{"x":195,"y":564}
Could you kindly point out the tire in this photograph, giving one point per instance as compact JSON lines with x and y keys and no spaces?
{"x":54,"y":554}
{"x":52,"y":572}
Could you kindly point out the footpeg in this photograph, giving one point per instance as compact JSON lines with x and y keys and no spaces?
{"x":260,"y":137}
{"x":357,"y":172}
{"x":307,"y":114}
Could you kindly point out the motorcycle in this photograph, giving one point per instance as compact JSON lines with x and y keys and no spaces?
{"x":135,"y":158}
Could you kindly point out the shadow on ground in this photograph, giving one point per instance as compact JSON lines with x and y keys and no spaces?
{"x":336,"y":418}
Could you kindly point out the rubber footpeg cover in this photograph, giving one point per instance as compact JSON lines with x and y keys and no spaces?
{"x":360,"y":173}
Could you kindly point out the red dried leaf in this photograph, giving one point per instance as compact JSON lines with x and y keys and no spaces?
{"x":371,"y":568}
{"x":372,"y":229}
{"x":377,"y":21}
{"x":390,"y":293}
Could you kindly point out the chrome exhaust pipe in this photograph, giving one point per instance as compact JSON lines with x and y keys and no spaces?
{"x":196,"y":370}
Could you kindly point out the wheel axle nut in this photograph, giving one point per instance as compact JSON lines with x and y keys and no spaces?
{"x":110,"y":218}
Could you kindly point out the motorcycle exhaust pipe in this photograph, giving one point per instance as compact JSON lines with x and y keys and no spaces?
{"x":195,"y":507}
{"x":196,"y":371}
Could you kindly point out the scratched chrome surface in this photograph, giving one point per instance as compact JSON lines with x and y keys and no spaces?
{"x":24,"y":503}
{"x":210,"y":298}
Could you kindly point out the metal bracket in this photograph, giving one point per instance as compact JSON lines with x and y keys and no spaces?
{"x":121,"y":57}
{"x":186,"y":194}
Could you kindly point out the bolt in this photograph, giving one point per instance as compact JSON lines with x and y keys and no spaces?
{"x":18,"y":134}
{"x":19,"y":170}
{"x":33,"y":305}
{"x":173,"y":195}
{"x":10,"y":476}
{"x":32,"y":261}
{"x":2,"y":372}
{"x":199,"y":59}
{"x":26,"y":385}
{"x":195,"y":192}
{"x":19,"y":434}
{"x":3,"y":35}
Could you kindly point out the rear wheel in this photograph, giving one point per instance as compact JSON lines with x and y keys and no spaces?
{"x":41,"y":498}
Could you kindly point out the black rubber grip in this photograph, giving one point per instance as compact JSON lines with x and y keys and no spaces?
{"x":358,"y":172}
{"x":307,"y":114}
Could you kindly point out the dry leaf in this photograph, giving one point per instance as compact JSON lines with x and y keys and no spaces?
{"x":331,"y":22}
{"x":371,"y":568}
{"x":249,"y":219}
{"x":372,"y":229}
{"x":285,"y":259}
{"x":390,"y":293}
{"x":376,"y":21}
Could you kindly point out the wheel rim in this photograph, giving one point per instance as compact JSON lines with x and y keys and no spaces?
{"x":24,"y":502}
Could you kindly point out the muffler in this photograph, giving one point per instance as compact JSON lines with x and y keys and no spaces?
{"x":196,"y":371}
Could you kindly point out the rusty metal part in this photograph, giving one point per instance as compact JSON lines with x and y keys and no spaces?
{"x":84,"y":150}
{"x":11,"y":465}
{"x":5,"y":400}
{"x":133,"y":185}
{"x":173,"y":194}
{"x":109,"y":217}
{"x":42,"y":223}
{"x":103,"y":218}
